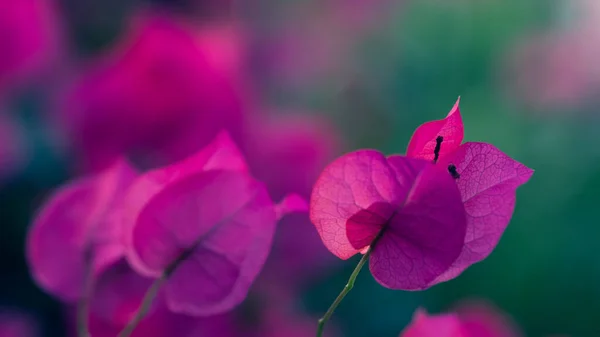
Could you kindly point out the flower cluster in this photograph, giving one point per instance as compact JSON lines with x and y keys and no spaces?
{"x":425,"y":217}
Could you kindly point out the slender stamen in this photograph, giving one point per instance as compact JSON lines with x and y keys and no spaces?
{"x":438,"y":146}
{"x":453,"y":172}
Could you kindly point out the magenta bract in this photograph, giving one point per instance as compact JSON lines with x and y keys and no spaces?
{"x":476,"y":319}
{"x":220,"y":154}
{"x":429,"y":227}
{"x":29,"y":40}
{"x":157,"y":93}
{"x":78,"y":226}
{"x":117,"y":297}
{"x":207,"y":224}
{"x":423,"y":325}
{"x":414,"y":207}
{"x":488,"y":183}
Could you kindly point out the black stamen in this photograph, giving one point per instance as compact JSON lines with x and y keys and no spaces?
{"x":438,"y":146}
{"x":452,"y":170}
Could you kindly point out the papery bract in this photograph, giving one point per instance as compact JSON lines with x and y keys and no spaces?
{"x":118,"y":294}
{"x":470,"y":320}
{"x":28,"y":37}
{"x":414,"y":208}
{"x":423,"y":325}
{"x":208,"y":228}
{"x":158,"y":94}
{"x":220,"y":154}
{"x":77,"y":227}
{"x":223,"y":223}
{"x":422,"y":143}
{"x":487,"y":183}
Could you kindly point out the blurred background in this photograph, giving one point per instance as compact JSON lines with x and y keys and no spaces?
{"x":297,"y":83}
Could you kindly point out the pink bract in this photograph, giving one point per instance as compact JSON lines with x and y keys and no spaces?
{"x":423,"y":325}
{"x":487,"y":184}
{"x":411,"y":205}
{"x":422,"y":143}
{"x":475,"y":319}
{"x":207,"y":227}
{"x":78,"y":225}
{"x":118,"y":294}
{"x":220,"y":154}
{"x":159,"y":94}
{"x":28,"y":38}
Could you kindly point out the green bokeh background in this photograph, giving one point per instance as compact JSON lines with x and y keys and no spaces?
{"x":546,"y":270}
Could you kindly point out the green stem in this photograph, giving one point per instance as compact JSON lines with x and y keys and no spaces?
{"x":344,"y":292}
{"x":144,"y":306}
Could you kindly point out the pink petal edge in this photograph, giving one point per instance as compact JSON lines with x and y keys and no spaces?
{"x":423,"y":140}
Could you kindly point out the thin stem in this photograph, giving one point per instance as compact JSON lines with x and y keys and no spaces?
{"x":344,"y":292}
{"x":144,"y":306}
{"x":83,"y":306}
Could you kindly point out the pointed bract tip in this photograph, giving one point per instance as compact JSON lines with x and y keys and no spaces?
{"x":455,"y":107}
{"x":291,"y":203}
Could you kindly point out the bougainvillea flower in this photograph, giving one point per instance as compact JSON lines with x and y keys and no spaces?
{"x":208,"y":232}
{"x":158,"y":95}
{"x":486,"y":178}
{"x":77,"y":228}
{"x":28,"y":36}
{"x":16,"y":324}
{"x":411,"y":206}
{"x":473,"y":320}
{"x":118,"y":295}
{"x":220,"y":154}
{"x":423,"y":325}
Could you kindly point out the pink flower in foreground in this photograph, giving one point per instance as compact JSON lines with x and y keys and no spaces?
{"x":412,"y":206}
{"x":15,"y":324}
{"x":77,"y":229}
{"x":428,"y":228}
{"x":486,"y":178}
{"x":472,"y":320}
{"x":27,"y":39}
{"x":205,"y":225}
{"x":162,"y":93}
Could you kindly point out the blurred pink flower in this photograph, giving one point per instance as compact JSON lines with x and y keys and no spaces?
{"x":16,"y":324}
{"x":118,"y":294}
{"x":161,"y":93}
{"x":472,"y":319}
{"x":78,"y":229}
{"x":206,"y":225}
{"x":28,"y":37}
